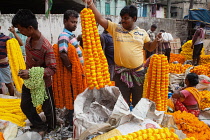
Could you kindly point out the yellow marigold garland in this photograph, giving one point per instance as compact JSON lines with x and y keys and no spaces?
{"x":148,"y":134}
{"x":187,"y":52}
{"x":16,"y":62}
{"x":157,"y":81}
{"x":191,"y":125}
{"x":10,"y":110}
{"x":95,"y":61}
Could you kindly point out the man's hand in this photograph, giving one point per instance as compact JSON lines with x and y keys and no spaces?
{"x":159,"y":37}
{"x":88,"y":1}
{"x":12,"y":29}
{"x":24,"y":74}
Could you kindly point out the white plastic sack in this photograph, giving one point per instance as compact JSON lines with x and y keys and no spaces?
{"x":203,"y":86}
{"x":205,"y":116}
{"x":29,"y":136}
{"x":94,"y":107}
{"x":10,"y":131}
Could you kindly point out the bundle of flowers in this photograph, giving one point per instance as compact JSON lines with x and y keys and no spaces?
{"x":177,"y":57}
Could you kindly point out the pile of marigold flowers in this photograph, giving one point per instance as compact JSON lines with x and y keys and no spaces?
{"x":97,"y":71}
{"x":191,"y":125}
{"x":157,"y":81}
{"x":177,"y":57}
{"x":201,"y":70}
{"x":204,"y":59}
{"x":1,"y":136}
{"x":205,"y":99}
{"x":16,"y":62}
{"x":178,"y":68}
{"x":187,"y":52}
{"x":148,"y":134}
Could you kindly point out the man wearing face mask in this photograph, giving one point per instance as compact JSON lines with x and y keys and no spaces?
{"x":129,"y":41}
{"x":70,"y":24}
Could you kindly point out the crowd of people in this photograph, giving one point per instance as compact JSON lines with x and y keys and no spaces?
{"x":123,"y":45}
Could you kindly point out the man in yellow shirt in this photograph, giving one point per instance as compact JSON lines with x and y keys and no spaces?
{"x":129,"y":41}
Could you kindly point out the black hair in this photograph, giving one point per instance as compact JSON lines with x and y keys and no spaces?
{"x":202,"y":25}
{"x":163,"y":31}
{"x":131,"y":10}
{"x":109,"y":19}
{"x":192,"y":78}
{"x":25,"y":18}
{"x":70,"y":13}
{"x":154,"y":26}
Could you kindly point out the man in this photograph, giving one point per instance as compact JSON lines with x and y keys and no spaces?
{"x":39,"y":53}
{"x":5,"y":75}
{"x":151,"y":33}
{"x":70,"y":24}
{"x":164,"y":46}
{"x":129,"y":41}
{"x":20,"y":38}
{"x":197,"y":43}
{"x":108,"y":48}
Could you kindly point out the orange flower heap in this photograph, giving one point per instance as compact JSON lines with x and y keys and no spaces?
{"x":177,"y":57}
{"x":205,"y":99}
{"x":178,"y":68}
{"x":157,"y":81}
{"x":191,"y":125}
{"x":95,"y":61}
{"x":204,"y":59}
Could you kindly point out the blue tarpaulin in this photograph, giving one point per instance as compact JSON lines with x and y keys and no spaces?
{"x":200,"y":15}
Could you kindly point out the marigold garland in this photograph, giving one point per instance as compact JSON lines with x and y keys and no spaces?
{"x":157,"y":81}
{"x":177,"y":57}
{"x":67,"y":85}
{"x":16,"y":62}
{"x":95,"y":61}
{"x":191,"y":125}
{"x":148,"y":134}
{"x":10,"y":111}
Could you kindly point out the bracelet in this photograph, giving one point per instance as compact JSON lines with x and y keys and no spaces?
{"x":69,"y":66}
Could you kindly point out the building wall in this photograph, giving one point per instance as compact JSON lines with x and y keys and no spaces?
{"x":185,"y":7}
{"x":160,"y":13}
{"x":115,"y":6}
{"x":52,"y":28}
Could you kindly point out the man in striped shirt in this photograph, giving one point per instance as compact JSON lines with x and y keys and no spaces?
{"x":5,"y":75}
{"x":39,"y":53}
{"x":70,"y":24}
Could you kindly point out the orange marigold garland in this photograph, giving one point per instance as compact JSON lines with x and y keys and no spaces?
{"x":157,"y":81}
{"x":95,"y":61}
{"x":64,"y":80}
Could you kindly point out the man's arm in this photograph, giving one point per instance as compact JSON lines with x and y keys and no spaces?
{"x":99,"y":18}
{"x":12,"y":30}
{"x":63,"y":47}
{"x":151,"y":46}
